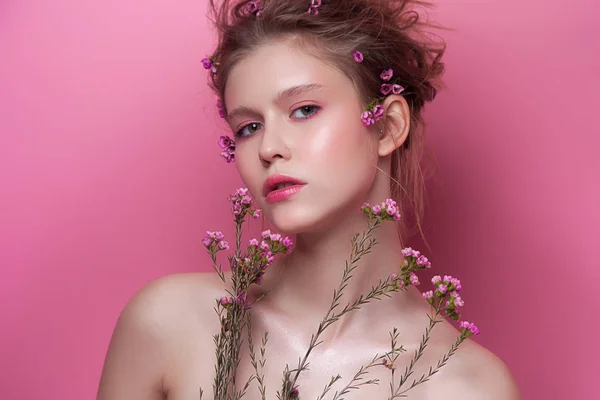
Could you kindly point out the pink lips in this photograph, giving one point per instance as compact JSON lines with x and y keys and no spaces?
{"x":272,"y":195}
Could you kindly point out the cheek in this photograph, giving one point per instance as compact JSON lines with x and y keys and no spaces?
{"x":248,"y":172}
{"x":342,"y":146}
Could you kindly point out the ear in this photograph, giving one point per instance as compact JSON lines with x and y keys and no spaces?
{"x":396,"y":124}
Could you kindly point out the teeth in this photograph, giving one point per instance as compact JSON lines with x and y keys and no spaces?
{"x":283,"y":185}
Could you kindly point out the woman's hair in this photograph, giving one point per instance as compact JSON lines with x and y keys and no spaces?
{"x":390,"y":35}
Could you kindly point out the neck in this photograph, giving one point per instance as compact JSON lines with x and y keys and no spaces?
{"x":302,"y":284}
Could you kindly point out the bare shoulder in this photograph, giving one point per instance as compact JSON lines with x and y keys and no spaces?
{"x":149,"y":331}
{"x":476,"y":373}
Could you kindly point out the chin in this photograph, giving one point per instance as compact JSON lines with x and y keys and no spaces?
{"x":292,"y":219}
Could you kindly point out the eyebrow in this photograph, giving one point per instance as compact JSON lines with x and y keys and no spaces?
{"x":281,"y":96}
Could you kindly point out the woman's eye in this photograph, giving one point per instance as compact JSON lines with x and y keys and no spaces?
{"x":305,"y":112}
{"x":248,"y":130}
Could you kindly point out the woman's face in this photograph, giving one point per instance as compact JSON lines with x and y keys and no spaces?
{"x":292,"y":114}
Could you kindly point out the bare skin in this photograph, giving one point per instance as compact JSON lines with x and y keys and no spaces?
{"x":163,"y":349}
{"x":163,"y":346}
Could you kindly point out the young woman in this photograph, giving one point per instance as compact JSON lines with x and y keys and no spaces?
{"x":325,"y":97}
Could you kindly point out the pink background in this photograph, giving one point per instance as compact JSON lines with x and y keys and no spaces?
{"x":110,"y":174}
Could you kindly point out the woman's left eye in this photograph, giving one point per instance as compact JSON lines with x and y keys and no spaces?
{"x":306,"y":112}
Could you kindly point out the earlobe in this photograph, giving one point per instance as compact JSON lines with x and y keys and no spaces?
{"x":396,"y":124}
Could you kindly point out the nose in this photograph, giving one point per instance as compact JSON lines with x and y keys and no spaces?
{"x":273,"y":144}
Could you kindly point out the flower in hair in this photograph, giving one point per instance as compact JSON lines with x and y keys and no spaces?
{"x":210,"y":63}
{"x":314,"y":7}
{"x":220,"y":108}
{"x":358,"y":56}
{"x":387,"y":74}
{"x":228,"y":145}
{"x":397,"y":89}
{"x":253,"y":8}
{"x":386,"y":88}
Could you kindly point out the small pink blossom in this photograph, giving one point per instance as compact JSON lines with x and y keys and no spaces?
{"x":422,"y":261}
{"x":207,"y":63}
{"x":376,"y":209}
{"x":367,"y":118}
{"x":220,"y":108}
{"x":287,"y":242}
{"x":225,"y":142}
{"x":266,"y":233}
{"x":469,"y":328}
{"x":442,"y":288}
{"x":358,"y":56}
{"x":378,"y":112}
{"x":428,"y":294}
{"x":397,"y":89}
{"x":264,"y":245}
{"x":436,"y":279}
{"x":253,"y":242}
{"x":386,"y":88}
{"x":414,"y":279}
{"x":228,"y":155}
{"x":387,"y":74}
{"x":314,"y":10}
{"x":223,"y":245}
{"x":252,"y":7}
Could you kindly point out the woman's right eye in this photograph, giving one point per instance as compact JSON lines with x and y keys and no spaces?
{"x":250,"y":129}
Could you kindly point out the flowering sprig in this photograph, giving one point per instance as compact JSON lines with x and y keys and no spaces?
{"x":248,"y":268}
{"x":375,"y":110}
{"x":210,"y":63}
{"x":387,"y":211}
{"x":227,"y":144}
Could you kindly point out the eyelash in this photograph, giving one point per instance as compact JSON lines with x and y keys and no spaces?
{"x":316,"y":108}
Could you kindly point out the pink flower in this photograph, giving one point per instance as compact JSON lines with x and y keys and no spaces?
{"x":376,"y":209}
{"x":393,"y":276}
{"x":414,"y":279}
{"x":256,"y":214}
{"x":206,"y":63}
{"x":207,"y":241}
{"x":225,"y":142}
{"x":313,"y":10}
{"x":220,"y":108}
{"x":428,"y":294}
{"x":225,"y":301}
{"x":358,"y":56}
{"x":223,"y":245}
{"x":266,"y":234}
{"x":252,"y":7}
{"x":387,"y":74}
{"x":367,"y":118}
{"x":378,"y":112}
{"x":436,"y":279}
{"x":264,"y":245}
{"x":469,"y":328}
{"x":442,"y":288}
{"x":276,"y":237}
{"x":422,"y":261}
{"x":397,"y":89}
{"x":228,"y":155}
{"x":253,"y":242}
{"x":386,"y":88}
{"x":458,"y":301}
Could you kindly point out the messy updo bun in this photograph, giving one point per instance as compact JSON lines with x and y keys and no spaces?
{"x":390,"y":34}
